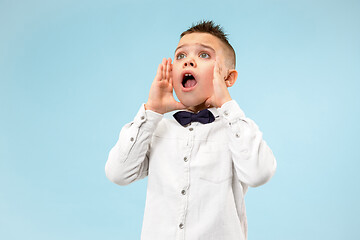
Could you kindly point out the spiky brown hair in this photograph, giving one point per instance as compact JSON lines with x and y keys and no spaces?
{"x":210,"y":27}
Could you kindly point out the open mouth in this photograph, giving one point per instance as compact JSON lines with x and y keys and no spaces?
{"x":188,"y":80}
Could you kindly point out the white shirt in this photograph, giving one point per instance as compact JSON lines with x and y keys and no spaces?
{"x":197,"y":174}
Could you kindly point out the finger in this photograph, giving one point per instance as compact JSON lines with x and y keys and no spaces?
{"x":170,"y":79}
{"x":158,"y":73}
{"x":219,"y":60}
{"x":170,"y":70}
{"x":179,"y":106}
{"x":170,"y":64}
{"x":167,"y":76}
{"x":221,"y":73}
{"x":217,"y":70}
{"x":220,"y":65}
{"x":208,"y":102}
{"x":163,"y":68}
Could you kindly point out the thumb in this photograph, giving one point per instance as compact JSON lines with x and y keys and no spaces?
{"x":208,"y":102}
{"x":179,"y":106}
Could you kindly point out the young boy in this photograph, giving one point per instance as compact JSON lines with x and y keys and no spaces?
{"x":200,"y":163}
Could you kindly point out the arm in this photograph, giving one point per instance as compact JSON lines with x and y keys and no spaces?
{"x":253,"y":160}
{"x":129,"y":158}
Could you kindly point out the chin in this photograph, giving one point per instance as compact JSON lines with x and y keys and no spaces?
{"x":189,"y":103}
{"x":191,"y":99}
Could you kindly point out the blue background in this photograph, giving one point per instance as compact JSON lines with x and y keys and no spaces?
{"x":72,"y":73}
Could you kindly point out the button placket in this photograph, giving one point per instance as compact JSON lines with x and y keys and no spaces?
{"x":186,"y":180}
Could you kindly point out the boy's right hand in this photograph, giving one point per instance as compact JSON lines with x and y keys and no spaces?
{"x":161,"y":99}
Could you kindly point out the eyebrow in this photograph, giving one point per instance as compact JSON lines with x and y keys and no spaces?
{"x":200,"y":44}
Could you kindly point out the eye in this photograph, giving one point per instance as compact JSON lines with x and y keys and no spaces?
{"x":180,"y":56}
{"x":204,"y":55}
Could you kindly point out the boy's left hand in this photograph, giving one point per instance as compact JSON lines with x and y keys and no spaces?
{"x":221,"y":94}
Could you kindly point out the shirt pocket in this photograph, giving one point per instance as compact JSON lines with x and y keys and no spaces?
{"x":215,"y":164}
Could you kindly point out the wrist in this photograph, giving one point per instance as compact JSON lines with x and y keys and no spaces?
{"x":228,"y":99}
{"x":152,"y":108}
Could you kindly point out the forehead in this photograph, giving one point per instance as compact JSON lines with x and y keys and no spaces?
{"x":201,"y":39}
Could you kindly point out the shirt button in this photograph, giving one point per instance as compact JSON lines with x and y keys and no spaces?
{"x":183,"y":192}
{"x":237,"y":135}
{"x":226,"y":113}
{"x":132,"y":139}
{"x":181,"y":226}
{"x":142,"y":117}
{"x":190,"y":129}
{"x":185,"y":159}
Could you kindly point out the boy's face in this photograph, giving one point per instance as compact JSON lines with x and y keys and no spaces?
{"x":193,"y":68}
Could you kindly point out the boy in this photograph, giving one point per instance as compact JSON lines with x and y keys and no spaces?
{"x":199,"y":164}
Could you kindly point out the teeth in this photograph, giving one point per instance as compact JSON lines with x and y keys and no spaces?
{"x":187,"y":74}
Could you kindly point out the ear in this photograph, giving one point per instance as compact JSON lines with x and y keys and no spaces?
{"x":231,"y":77}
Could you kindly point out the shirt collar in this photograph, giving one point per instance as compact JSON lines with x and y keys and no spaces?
{"x":214,"y":111}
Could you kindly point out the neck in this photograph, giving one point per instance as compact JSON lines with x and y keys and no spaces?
{"x":198,"y":108}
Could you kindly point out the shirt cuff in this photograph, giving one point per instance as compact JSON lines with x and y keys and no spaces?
{"x":147,"y":118}
{"x":231,"y":111}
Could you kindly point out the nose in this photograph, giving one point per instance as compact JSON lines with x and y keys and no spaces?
{"x":190,"y":63}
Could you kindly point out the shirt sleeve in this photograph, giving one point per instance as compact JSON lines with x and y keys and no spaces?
{"x":253,"y":160}
{"x":128,"y":160}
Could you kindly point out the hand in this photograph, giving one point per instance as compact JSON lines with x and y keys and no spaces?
{"x":161,"y":98}
{"x":221,"y":94}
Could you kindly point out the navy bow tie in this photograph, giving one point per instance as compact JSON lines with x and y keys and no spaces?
{"x":184,"y":117}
